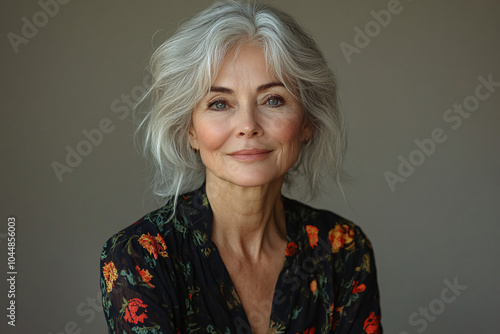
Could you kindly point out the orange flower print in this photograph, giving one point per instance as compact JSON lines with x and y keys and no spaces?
{"x":358,"y":288}
{"x":331,"y":313}
{"x":145,"y":276}
{"x":314,"y":287}
{"x":154,"y":245}
{"x":291,"y":249}
{"x":133,"y":307}
{"x":338,"y":311}
{"x":339,"y":236}
{"x":312,"y":233}
{"x":311,"y":330}
{"x":110,"y":275}
{"x":372,"y":324}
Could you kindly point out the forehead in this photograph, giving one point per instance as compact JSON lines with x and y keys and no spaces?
{"x":244,"y":66}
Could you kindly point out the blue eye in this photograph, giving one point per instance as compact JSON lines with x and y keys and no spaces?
{"x":220,"y":105}
{"x":275,"y":101}
{"x":217,"y":105}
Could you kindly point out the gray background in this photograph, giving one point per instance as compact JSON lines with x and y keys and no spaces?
{"x":440,"y":224}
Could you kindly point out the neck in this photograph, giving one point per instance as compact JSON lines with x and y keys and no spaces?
{"x":248,"y":221}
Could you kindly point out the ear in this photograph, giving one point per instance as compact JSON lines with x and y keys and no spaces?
{"x":306,"y":131}
{"x":193,"y":138}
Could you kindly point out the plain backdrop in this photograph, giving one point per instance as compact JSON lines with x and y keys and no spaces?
{"x":79,"y":67}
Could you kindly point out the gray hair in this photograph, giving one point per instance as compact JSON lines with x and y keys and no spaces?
{"x":184,"y":67}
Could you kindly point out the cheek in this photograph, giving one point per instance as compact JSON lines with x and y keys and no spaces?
{"x":211,"y":134}
{"x":287,"y":130}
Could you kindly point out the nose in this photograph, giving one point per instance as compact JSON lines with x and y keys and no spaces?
{"x":247,"y":123}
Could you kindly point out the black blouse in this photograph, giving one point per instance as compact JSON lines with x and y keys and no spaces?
{"x":163,"y":275}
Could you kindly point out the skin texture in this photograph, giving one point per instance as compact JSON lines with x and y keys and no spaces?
{"x":249,"y":109}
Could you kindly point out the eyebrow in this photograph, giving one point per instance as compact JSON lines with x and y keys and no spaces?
{"x":259,"y":89}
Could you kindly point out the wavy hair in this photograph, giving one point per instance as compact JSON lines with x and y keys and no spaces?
{"x":184,"y":67}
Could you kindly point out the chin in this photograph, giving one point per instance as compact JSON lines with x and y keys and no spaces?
{"x":251,"y":178}
{"x":250,"y":183}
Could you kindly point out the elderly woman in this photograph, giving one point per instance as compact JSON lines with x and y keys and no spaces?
{"x":243,"y":101}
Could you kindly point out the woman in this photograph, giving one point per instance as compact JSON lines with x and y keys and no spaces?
{"x":243,"y":100}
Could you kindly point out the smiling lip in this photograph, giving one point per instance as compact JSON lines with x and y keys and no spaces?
{"x":250,"y":154}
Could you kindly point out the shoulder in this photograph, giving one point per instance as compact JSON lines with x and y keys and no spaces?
{"x":160,"y":229}
{"x":136,"y":257}
{"x":146,"y":235}
{"x":326,"y":228}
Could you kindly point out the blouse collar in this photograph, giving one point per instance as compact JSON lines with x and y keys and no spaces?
{"x":194,"y":214}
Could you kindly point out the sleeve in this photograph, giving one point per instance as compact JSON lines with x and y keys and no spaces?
{"x":357,"y":308}
{"x":133,"y":289}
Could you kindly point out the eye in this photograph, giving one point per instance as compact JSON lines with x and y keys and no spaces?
{"x":220,"y":105}
{"x":275,"y":101}
{"x":217,"y":104}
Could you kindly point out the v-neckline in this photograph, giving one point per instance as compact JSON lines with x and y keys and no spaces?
{"x":226,"y":283}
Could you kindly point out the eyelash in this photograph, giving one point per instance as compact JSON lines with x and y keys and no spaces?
{"x":281,"y":100}
{"x":214,"y":102}
{"x":276,"y":97}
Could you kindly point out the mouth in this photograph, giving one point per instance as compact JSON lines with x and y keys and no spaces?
{"x":250,"y":154}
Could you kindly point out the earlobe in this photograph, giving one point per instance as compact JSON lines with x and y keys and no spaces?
{"x":193,"y":141}
{"x":306,"y":132}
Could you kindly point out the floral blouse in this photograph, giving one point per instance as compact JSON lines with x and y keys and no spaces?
{"x":164,"y":275}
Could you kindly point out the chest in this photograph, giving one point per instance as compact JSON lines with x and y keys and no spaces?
{"x":255,"y":286}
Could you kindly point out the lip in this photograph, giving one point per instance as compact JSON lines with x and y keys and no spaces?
{"x":253,"y":154}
